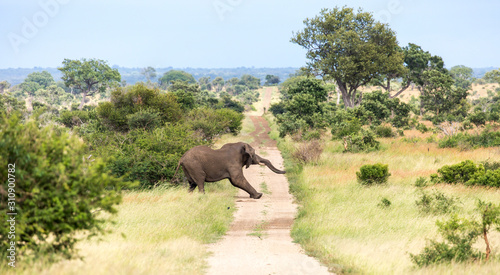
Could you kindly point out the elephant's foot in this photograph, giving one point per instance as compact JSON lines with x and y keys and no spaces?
{"x":257,"y":196}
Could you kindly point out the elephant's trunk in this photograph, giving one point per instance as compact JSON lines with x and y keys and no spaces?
{"x":271,"y":166}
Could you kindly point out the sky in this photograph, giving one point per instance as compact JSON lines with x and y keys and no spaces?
{"x":227,"y":33}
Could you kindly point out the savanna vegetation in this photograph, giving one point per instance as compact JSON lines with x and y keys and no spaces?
{"x":389,"y":185}
{"x":393,"y":158}
{"x":92,"y":159}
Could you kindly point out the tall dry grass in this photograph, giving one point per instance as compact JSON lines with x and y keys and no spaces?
{"x":342,"y":223}
{"x":160,"y":231}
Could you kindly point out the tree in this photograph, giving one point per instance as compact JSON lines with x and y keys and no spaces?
{"x":88,"y":76}
{"x":349,"y":48}
{"x":149,"y":73}
{"x":272,"y":80}
{"x":205,"y":83}
{"x":440,"y":97}
{"x":218,"y":83}
{"x":462,"y":76}
{"x":174,"y":75}
{"x":492,"y":76}
{"x":3,"y":86}
{"x":36,"y":81}
{"x":60,"y":194}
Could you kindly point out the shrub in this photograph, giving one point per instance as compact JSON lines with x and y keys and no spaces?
{"x":478,"y":118}
{"x":58,"y":189}
{"x":308,"y":152}
{"x":76,"y":118}
{"x":459,"y":173}
{"x":384,"y":203}
{"x":370,"y":174}
{"x":363,"y":141}
{"x":233,"y":118}
{"x":384,"y":131}
{"x":149,"y":156}
{"x":436,"y":203}
{"x":346,"y":128}
{"x":487,"y":138}
{"x":211,"y":123}
{"x":138,"y":98}
{"x":421,"y":182}
{"x":144,"y":119}
{"x":468,"y":173}
{"x":459,"y":235}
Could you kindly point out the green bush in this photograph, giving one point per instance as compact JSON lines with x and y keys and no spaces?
{"x":436,"y":203}
{"x":369,"y":174}
{"x":76,"y":117}
{"x":138,"y":98}
{"x":459,"y":173}
{"x":459,"y":235}
{"x":488,"y":137}
{"x":469,"y":173}
{"x":363,"y":141}
{"x":211,"y":123}
{"x":144,"y":119}
{"x":233,"y":118}
{"x":58,"y":189}
{"x":421,"y":182}
{"x":147,"y":156}
{"x":384,"y":131}
{"x":346,"y":128}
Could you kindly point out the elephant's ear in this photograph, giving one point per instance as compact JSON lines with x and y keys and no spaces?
{"x":251,"y":154}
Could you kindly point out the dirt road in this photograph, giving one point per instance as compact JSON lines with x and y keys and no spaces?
{"x":259,"y":241}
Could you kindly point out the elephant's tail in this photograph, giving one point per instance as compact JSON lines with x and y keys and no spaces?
{"x":175,"y":173}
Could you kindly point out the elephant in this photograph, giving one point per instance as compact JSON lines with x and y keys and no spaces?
{"x":202,"y":164}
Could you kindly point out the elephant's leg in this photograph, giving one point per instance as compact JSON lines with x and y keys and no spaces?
{"x":197,"y":180}
{"x":192,"y":186}
{"x":242,"y":183}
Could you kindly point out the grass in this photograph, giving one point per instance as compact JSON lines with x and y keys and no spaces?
{"x":341,"y":222}
{"x":160,"y":231}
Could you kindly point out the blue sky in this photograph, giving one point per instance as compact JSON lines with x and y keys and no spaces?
{"x":227,"y":33}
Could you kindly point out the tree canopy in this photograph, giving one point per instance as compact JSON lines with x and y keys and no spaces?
{"x":88,"y":76}
{"x":349,"y":48}
{"x":175,"y":75}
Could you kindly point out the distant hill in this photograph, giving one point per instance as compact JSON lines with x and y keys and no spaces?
{"x":132,"y":75}
{"x":479,"y":72}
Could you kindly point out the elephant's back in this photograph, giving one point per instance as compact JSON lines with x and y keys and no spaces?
{"x":197,"y":151}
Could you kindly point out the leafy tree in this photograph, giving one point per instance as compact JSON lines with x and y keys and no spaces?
{"x":36,"y":81}
{"x":149,"y":73}
{"x":175,"y":75}
{"x":251,"y":82}
{"x":59,"y":191}
{"x":271,"y":80}
{"x":440,"y":97}
{"x":205,"y":83}
{"x":301,"y":106}
{"x":349,"y":48}
{"x":44,"y":79}
{"x":88,"y":76}
{"x":462,"y":76}
{"x":9,"y":104}
{"x":492,"y":76}
{"x":3,"y":86}
{"x":218,"y":84}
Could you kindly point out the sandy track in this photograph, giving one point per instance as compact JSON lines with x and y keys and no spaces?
{"x":259,"y":241}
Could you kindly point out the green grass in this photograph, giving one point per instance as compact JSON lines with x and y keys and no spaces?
{"x":340,"y":221}
{"x":160,"y":231}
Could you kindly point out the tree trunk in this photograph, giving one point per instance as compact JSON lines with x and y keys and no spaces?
{"x":84,"y":94}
